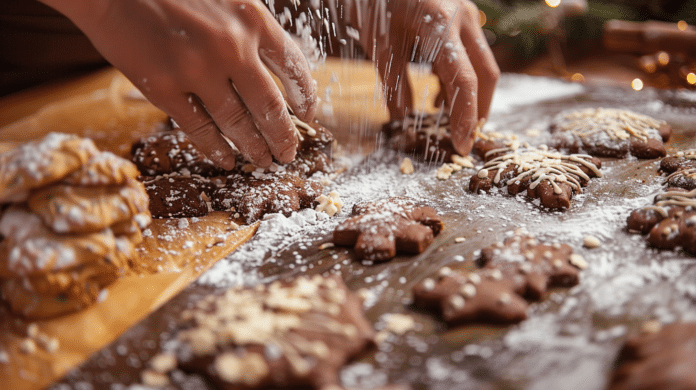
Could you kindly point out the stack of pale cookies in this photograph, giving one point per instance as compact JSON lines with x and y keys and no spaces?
{"x":70,"y":217}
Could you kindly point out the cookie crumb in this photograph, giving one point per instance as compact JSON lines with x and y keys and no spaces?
{"x":32,"y":330}
{"x":445,"y":171}
{"x":399,"y":323}
{"x":154,"y":379}
{"x":27,"y":346}
{"x":578,"y":261}
{"x":163,"y":363}
{"x":653,"y":326}
{"x":331,"y":204}
{"x":459,"y":239}
{"x":50,"y":344}
{"x":406,"y":166}
{"x":591,"y":242}
{"x":464,"y":162}
{"x":326,"y":245}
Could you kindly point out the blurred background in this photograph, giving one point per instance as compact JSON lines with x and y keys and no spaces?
{"x":639,"y":42}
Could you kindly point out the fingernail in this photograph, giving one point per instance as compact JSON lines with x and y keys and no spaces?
{"x":228,"y":162}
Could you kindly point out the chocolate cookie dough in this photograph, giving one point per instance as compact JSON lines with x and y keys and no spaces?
{"x":170,"y":152}
{"x":609,"y":132}
{"x":378,"y":230}
{"x":253,"y":197}
{"x":178,"y":196}
{"x":428,"y":137}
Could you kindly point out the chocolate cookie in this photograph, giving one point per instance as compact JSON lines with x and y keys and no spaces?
{"x":283,"y":335}
{"x":428,"y":137}
{"x":608,"y":132}
{"x":682,"y":178}
{"x":532,"y":264}
{"x":550,"y":176}
{"x":378,"y":230}
{"x":178,"y":196}
{"x":681,"y":160}
{"x":489,"y":145}
{"x":170,"y":152}
{"x":657,"y":360}
{"x":463,"y":297}
{"x":253,"y":197}
{"x":670,"y":222}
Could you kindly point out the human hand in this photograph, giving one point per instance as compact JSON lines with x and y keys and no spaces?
{"x":446,"y":33}
{"x":202,"y":63}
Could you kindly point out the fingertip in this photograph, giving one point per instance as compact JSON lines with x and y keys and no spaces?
{"x":222,"y":158}
{"x":463,"y":136}
{"x":304,"y":104}
{"x":287,"y":150}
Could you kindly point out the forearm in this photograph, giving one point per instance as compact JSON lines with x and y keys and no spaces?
{"x":86,"y":14}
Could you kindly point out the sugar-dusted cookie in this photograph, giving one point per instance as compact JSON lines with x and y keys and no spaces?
{"x":685,"y":159}
{"x":30,"y":248}
{"x":428,"y":137}
{"x":38,"y":163}
{"x":77,"y":209}
{"x":253,"y":197}
{"x":378,"y":230}
{"x":103,"y":169}
{"x":169,"y":152}
{"x":532,"y":264}
{"x":57,"y":293}
{"x":132,"y":229}
{"x":670,"y":222}
{"x":657,"y":360}
{"x":609,"y":132}
{"x":178,"y":196}
{"x":485,"y":295}
{"x":551,"y":176}
{"x":283,"y":335}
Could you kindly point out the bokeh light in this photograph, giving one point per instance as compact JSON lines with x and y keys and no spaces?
{"x":682,"y":25}
{"x":691,"y":78}
{"x":578,"y":78}
{"x":553,"y":3}
{"x":637,"y":84}
{"x":663,"y":58}
{"x":482,"y":18}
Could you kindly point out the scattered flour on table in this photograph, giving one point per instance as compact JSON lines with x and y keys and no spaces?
{"x":520,"y":90}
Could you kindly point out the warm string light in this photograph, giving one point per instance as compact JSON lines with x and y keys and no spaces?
{"x":663,"y":58}
{"x":691,"y":78}
{"x":553,"y":3}
{"x":637,"y":84}
{"x":682,"y":25}
{"x":482,"y":18}
{"x":578,"y":78}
